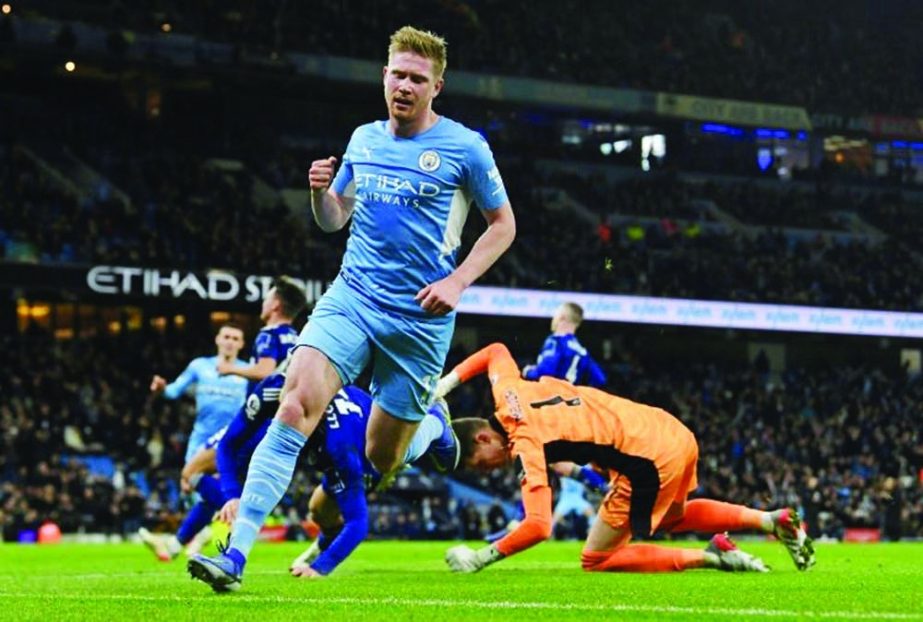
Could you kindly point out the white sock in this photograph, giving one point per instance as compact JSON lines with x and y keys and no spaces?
{"x":429,"y":430}
{"x":173,"y":545}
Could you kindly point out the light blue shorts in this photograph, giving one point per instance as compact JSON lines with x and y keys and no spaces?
{"x":197,"y":441}
{"x":407,"y":353}
{"x":572,"y":503}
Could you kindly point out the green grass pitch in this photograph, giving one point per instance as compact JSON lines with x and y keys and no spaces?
{"x":399,"y":581}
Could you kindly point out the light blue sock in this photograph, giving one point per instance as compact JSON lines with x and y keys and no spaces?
{"x":268,"y":477}
{"x":429,"y":430}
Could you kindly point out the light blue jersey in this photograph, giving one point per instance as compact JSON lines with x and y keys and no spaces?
{"x":411,"y":201}
{"x":217,"y":397}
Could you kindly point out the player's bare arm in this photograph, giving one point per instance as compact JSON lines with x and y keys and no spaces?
{"x":443,"y":296}
{"x":228,"y":513}
{"x":262,"y":369}
{"x":158,"y":384}
{"x":203,"y":463}
{"x":331,"y":211}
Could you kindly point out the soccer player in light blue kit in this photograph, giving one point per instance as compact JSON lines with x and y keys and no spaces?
{"x":218,"y":397}
{"x":337,"y":449}
{"x":407,"y":183}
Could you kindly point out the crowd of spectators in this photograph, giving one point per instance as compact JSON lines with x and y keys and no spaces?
{"x":852,"y":57}
{"x":66,"y":399}
{"x":668,"y":251}
{"x":188,"y":213}
{"x":185,"y":214}
{"x":842,"y":443}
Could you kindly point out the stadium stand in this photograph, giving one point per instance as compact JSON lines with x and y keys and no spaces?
{"x":851,"y":57}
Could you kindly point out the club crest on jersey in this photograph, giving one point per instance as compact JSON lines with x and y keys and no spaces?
{"x":252,"y":406}
{"x":429,"y":161}
{"x":512,"y":402}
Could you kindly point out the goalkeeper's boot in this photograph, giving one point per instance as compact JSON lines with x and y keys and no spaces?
{"x":309,"y":555}
{"x":787,"y":526}
{"x":159,"y":545}
{"x":443,"y":454}
{"x":222,"y":572}
{"x":731,"y":558}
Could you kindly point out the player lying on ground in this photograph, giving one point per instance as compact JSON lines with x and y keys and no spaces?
{"x":650,"y":456}
{"x":325,"y":507}
{"x":337,"y":448}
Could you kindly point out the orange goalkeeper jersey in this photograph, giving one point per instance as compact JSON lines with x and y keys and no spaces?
{"x":553,"y":421}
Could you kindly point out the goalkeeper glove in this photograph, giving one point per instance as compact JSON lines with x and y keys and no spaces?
{"x":446,"y":384}
{"x":462,"y":558}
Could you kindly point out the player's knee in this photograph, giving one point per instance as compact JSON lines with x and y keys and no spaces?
{"x":299,"y":407}
{"x":291,"y":412}
{"x":383,"y":457}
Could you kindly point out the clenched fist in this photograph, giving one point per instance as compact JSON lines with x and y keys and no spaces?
{"x":321,"y":174}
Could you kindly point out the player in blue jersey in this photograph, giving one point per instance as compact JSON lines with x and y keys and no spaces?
{"x":218,"y":397}
{"x":562,"y":356}
{"x":338,"y":505}
{"x":406,"y":183}
{"x":281,"y":305}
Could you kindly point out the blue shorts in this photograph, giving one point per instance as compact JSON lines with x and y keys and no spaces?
{"x":407,"y":353}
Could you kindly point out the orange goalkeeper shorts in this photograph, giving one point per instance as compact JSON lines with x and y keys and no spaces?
{"x":642,"y":493}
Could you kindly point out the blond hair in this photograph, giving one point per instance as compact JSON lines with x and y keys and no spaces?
{"x":422,"y":42}
{"x":574,"y":312}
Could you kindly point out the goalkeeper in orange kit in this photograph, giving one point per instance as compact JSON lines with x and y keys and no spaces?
{"x":650,"y":457}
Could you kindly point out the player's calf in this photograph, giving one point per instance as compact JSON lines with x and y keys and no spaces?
{"x":642,"y":558}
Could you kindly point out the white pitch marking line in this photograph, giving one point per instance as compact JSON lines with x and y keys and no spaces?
{"x":170,"y":574}
{"x":409,"y":602}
